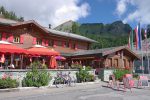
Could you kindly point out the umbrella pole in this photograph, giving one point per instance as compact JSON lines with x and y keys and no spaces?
{"x":21,"y":61}
{"x":11,"y":59}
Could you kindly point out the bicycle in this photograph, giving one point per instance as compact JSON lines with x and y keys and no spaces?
{"x":64,"y":79}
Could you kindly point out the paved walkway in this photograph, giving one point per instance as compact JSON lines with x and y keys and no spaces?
{"x":80,"y":92}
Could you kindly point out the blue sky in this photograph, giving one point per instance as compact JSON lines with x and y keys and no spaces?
{"x":108,"y":11}
{"x":101,"y":11}
{"x":104,"y":11}
{"x":56,"y":12}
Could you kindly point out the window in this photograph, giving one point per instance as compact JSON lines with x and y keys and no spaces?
{"x":81,"y":46}
{"x":116,"y":62}
{"x":16,"y":39}
{"x":0,"y":36}
{"x":66,"y":44}
{"x":129,"y":63}
{"x":124,"y":62}
{"x":110,"y":62}
{"x":59,"y":43}
{"x":73,"y":46}
{"x":51,"y":42}
{"x":39,"y":42}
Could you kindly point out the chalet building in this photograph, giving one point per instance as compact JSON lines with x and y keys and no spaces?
{"x":28,"y":33}
{"x":115,"y":57}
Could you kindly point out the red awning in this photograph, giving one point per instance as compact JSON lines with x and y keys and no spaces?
{"x":9,"y":48}
{"x":42,"y":51}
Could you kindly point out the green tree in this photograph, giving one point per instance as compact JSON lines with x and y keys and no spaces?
{"x":75,"y":28}
{"x":10,"y":14}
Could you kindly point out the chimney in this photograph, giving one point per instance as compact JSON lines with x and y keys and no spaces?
{"x":49,"y":26}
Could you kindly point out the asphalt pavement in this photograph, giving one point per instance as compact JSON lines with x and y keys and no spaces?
{"x":94,"y":91}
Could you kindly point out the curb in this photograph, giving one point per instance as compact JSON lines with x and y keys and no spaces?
{"x":43,"y":87}
{"x":9,"y":90}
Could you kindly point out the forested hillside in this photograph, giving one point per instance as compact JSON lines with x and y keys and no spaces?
{"x":9,"y":14}
{"x":107,"y":35}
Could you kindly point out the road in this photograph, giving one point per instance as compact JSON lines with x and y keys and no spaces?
{"x":80,"y":92}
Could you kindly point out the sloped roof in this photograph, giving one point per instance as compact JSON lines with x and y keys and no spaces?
{"x":29,"y":22}
{"x":70,"y":35}
{"x":104,"y":52}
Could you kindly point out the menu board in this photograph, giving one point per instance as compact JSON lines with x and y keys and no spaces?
{"x":143,"y":81}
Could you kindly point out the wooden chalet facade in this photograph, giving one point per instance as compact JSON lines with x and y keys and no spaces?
{"x":28,"y":33}
{"x":116,"y":57}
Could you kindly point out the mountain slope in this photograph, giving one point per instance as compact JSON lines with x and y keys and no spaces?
{"x":108,"y":35}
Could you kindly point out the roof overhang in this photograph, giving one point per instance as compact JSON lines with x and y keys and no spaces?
{"x":136,"y":56}
{"x":104,"y":52}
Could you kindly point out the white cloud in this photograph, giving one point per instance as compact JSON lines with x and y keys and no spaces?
{"x":121,"y":7}
{"x":141,"y":12}
{"x":47,"y":12}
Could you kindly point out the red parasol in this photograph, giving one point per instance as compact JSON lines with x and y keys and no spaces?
{"x":53,"y":63}
{"x":9,"y":48}
{"x":42,"y":51}
{"x":2,"y":60}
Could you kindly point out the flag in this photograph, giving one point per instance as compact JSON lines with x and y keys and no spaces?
{"x":138,"y":37}
{"x":145,"y":36}
{"x":145,"y":33}
{"x":130,"y":41}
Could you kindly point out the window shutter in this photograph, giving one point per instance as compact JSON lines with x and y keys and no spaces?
{"x":21,"y":39}
{"x":11,"y":38}
{"x":46,"y":43}
{"x":34,"y":41}
{"x":3,"y":36}
{"x":43,"y":42}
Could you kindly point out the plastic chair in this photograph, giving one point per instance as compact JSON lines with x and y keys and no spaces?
{"x":111,"y":81}
{"x":128,"y":82}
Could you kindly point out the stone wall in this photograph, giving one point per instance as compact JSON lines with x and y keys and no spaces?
{"x":19,"y":74}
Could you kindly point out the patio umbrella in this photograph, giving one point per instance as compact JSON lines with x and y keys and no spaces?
{"x":53,"y":63}
{"x":9,"y":48}
{"x":60,"y":58}
{"x":2,"y":59}
{"x":40,"y":50}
